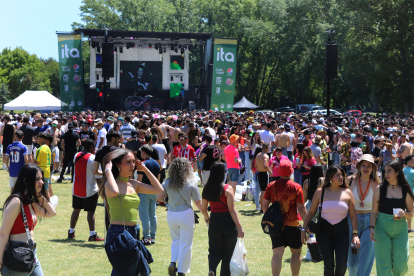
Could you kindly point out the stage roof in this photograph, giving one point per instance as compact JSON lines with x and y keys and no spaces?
{"x":140,"y":34}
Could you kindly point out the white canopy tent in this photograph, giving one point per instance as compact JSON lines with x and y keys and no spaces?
{"x":245,"y":104}
{"x":34,"y":100}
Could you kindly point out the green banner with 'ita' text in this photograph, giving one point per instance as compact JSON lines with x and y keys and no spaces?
{"x":224,"y":74}
{"x":71,"y":72}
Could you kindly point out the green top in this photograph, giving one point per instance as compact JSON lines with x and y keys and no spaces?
{"x":130,"y":203}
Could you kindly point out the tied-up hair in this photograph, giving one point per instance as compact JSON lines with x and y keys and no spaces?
{"x":115,"y":157}
{"x":179,"y":172}
{"x":405,"y":187}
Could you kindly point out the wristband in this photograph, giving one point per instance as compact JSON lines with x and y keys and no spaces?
{"x":303,"y":229}
{"x":355,"y":232}
{"x":107,"y":170}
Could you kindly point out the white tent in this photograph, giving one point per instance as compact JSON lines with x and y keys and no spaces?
{"x":245,"y":103}
{"x":34,"y":100}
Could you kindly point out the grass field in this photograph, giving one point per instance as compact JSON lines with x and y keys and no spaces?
{"x":60,"y":256}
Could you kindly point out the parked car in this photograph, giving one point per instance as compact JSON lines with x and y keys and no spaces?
{"x":353,"y":113}
{"x":325,"y":112}
{"x":372,"y":110}
{"x":285,"y":109}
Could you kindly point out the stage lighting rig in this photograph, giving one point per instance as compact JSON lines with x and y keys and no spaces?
{"x":182,"y":51}
{"x":121,"y":49}
{"x":160,"y":51}
{"x":98,"y":48}
{"x":175,"y":51}
{"x":165,"y":49}
{"x":156,"y":46}
{"x":149,"y":46}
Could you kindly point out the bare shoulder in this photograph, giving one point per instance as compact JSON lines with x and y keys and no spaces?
{"x":14,"y":203}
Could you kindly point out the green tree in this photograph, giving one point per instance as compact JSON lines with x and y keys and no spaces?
{"x":52,"y":70}
{"x":4,"y":95}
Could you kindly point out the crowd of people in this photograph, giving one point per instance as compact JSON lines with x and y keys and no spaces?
{"x":352,"y":175}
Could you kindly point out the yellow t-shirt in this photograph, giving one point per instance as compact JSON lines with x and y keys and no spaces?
{"x":44,"y":157}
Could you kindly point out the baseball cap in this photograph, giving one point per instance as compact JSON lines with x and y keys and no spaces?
{"x":234,"y":138}
{"x":110,"y":118}
{"x":48,"y":120}
{"x":70,"y":126}
{"x":99,"y":123}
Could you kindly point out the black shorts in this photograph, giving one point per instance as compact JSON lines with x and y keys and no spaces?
{"x":86,"y":203}
{"x":290,"y":237}
{"x":263,"y":180}
{"x":166,"y":143}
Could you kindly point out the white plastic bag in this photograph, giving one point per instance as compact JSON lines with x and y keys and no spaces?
{"x":54,"y":201}
{"x":238,"y":263}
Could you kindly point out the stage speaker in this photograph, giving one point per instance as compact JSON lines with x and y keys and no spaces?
{"x":331,"y":60}
{"x":107,"y":60}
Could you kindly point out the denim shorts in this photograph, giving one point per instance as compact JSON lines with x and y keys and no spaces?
{"x":233,"y":174}
{"x":200,"y":164}
{"x":47,"y":183}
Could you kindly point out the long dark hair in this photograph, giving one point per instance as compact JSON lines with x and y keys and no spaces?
{"x":332,"y":170}
{"x":316,"y":172}
{"x":395,"y":165}
{"x":215,"y":182}
{"x":26,"y":185}
{"x":115,"y":157}
{"x":299,"y":149}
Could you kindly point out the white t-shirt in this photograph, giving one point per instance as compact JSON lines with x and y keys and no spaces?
{"x":101,"y":135}
{"x":212,"y":132}
{"x":292,"y":136}
{"x":267,"y":137}
{"x":161,"y":153}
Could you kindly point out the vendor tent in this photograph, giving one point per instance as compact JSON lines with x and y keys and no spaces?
{"x":244,"y":104}
{"x":34,"y":100}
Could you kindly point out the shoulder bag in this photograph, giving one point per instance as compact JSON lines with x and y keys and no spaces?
{"x":20,"y":257}
{"x":196,"y":217}
{"x":314,"y":227}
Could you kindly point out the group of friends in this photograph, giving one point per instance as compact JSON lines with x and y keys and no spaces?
{"x":136,"y":160}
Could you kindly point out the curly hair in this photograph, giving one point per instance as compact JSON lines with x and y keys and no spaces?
{"x":179,"y":172}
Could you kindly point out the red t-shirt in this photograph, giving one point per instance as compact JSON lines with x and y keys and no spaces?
{"x":187,"y":152}
{"x":290,"y":197}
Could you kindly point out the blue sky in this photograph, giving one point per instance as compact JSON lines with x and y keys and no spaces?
{"x":33,"y":24}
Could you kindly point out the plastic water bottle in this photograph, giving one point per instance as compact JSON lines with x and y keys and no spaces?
{"x":314,"y":249}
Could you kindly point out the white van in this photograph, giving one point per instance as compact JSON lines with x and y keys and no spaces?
{"x":305,"y":108}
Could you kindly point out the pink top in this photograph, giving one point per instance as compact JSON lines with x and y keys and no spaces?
{"x":275,"y":164}
{"x":295,"y":164}
{"x":309,"y":162}
{"x":334,"y":211}
{"x":231,"y":152}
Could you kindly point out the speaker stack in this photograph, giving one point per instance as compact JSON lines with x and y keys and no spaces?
{"x":107,"y":60}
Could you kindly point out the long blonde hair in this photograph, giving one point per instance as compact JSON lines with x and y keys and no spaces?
{"x":179,"y":172}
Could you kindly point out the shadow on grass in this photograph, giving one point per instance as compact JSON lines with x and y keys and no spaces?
{"x":250,"y":213}
{"x":100,"y":204}
{"x":79,"y":243}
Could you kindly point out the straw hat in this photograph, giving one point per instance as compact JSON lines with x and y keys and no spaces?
{"x":388,"y":142}
{"x":366,"y":157}
{"x":250,"y":119}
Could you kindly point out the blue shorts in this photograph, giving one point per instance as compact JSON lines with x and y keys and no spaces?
{"x":233,"y":174}
{"x":47,"y":182}
{"x":200,"y":164}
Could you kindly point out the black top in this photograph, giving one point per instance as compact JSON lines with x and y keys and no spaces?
{"x":86,"y":135}
{"x":376,"y":153}
{"x":200,"y":140}
{"x":8,"y":134}
{"x":390,"y":203}
{"x":213,"y":154}
{"x":133,"y":145}
{"x":154,"y":168}
{"x":100,"y":154}
{"x":70,"y":138}
{"x":28,"y":133}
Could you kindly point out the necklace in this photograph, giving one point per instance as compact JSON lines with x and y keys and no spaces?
{"x":393,"y":186}
{"x":363,"y":195}
{"x":123,"y":179}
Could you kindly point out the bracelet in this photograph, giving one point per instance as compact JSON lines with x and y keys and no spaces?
{"x":354,"y":232}
{"x":107,"y":170}
{"x":303,"y":229}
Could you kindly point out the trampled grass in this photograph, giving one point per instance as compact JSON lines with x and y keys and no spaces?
{"x":60,"y":256}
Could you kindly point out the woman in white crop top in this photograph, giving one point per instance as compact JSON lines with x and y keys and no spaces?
{"x":333,"y":236}
{"x":363,"y":184}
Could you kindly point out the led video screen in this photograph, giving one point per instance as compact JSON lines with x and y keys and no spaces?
{"x":141,"y":75}
{"x":177,"y":63}
{"x":98,"y":60}
{"x":176,"y":89}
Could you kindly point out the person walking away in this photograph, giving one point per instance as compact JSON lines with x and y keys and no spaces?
{"x":263,"y":170}
{"x":404,"y":150}
{"x":317,"y":152}
{"x":275,"y":162}
{"x":43,"y":159}
{"x":28,"y":194}
{"x":223,"y":222}
{"x":363,"y":184}
{"x":388,"y":229}
{"x":210,"y":154}
{"x":70,"y":141}
{"x":409,"y":176}
{"x":180,"y":187}
{"x":28,"y":135}
{"x":247,"y":160}
{"x":7,"y":133}
{"x":148,"y":201}
{"x":233,"y":161}
{"x":121,"y":191}
{"x":162,"y":153}
{"x":333,"y":237}
{"x":268,"y":137}
{"x":290,"y":197}
{"x":283,"y":140}
{"x":297,"y":175}
{"x":84,"y":190}
{"x":18,"y":155}
{"x":101,"y":137}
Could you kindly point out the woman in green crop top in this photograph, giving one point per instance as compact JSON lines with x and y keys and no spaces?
{"x":121,"y":190}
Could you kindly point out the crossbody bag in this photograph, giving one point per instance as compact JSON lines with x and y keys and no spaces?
{"x":315,"y":227}
{"x":196,"y":217}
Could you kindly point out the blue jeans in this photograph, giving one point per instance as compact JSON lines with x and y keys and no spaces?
{"x":247,"y":165}
{"x":36,"y":272}
{"x":200,"y":164}
{"x":243,"y":159}
{"x":347,"y":169}
{"x":361,"y":264}
{"x":233,"y":174}
{"x":297,"y":176}
{"x":147,"y":215}
{"x":336,"y":158}
{"x":256,"y":190}
{"x":113,"y":232}
{"x":285,"y":152}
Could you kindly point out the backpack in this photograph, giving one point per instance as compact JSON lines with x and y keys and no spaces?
{"x":272,"y":221}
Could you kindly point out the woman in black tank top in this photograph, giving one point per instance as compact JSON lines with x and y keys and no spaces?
{"x":392,"y":204}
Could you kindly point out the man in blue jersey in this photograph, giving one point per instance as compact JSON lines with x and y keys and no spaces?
{"x":18,"y":155}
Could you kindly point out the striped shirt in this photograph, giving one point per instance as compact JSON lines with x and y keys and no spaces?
{"x":126,"y":130}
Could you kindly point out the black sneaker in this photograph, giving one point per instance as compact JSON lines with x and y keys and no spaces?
{"x":261,"y":211}
{"x":152,"y":241}
{"x":59,"y":180}
{"x":172,"y":269}
{"x":71,"y":235}
{"x":145,"y":241}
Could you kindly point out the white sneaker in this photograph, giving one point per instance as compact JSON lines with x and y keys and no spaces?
{"x":308,"y":256}
{"x":258,"y":209}
{"x":4,"y":167}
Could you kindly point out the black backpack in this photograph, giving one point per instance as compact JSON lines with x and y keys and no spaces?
{"x":272,"y":221}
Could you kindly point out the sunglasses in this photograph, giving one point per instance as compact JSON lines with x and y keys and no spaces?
{"x":54,"y":125}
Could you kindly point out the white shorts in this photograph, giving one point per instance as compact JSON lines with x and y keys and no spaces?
{"x":206,"y":175}
{"x":56,"y":160}
{"x":12,"y":181}
{"x":29,"y":149}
